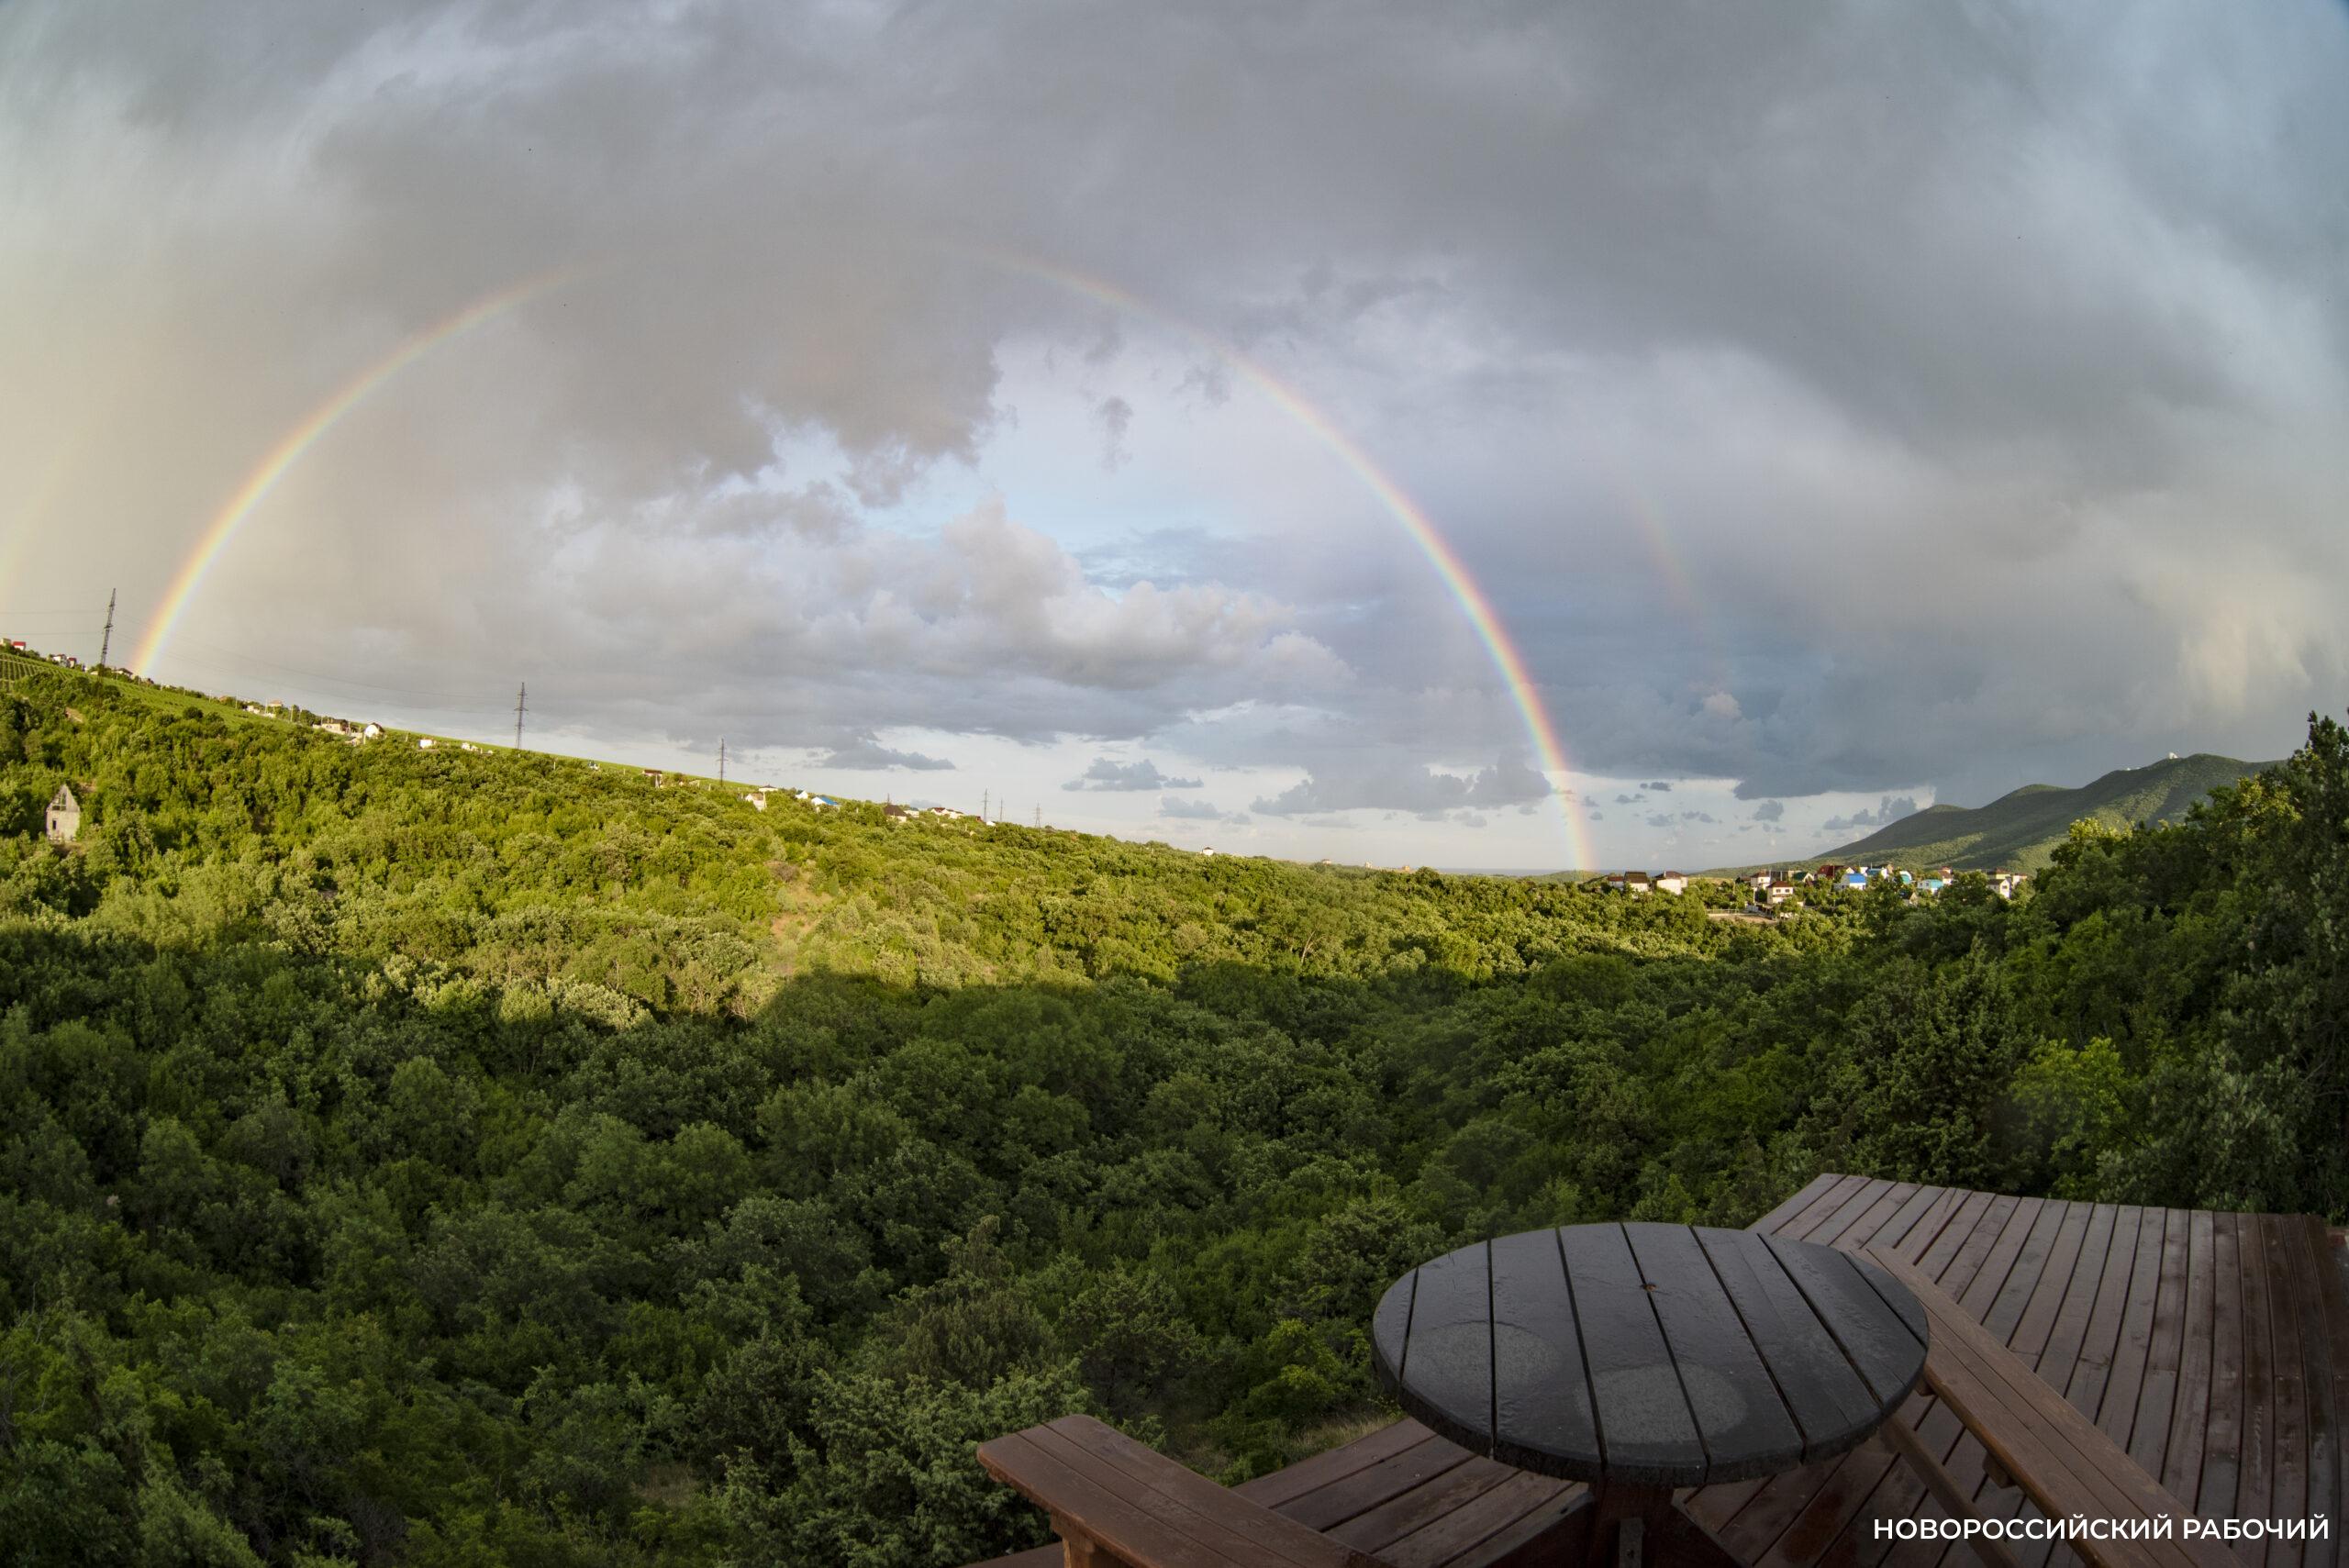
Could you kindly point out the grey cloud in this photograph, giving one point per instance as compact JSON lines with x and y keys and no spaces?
{"x":1108,"y":775}
{"x":1196,"y":811}
{"x":864,"y":751}
{"x":1954,"y":301}
{"x":1661,"y":786}
{"x":1888,"y":810}
{"x":1770,"y":811}
{"x":1423,"y":790}
{"x":1115,"y":416}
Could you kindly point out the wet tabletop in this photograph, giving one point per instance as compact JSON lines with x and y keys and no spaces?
{"x":1670,"y":1355}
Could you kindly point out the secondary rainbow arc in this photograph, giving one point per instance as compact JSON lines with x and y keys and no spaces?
{"x":1450,"y":569}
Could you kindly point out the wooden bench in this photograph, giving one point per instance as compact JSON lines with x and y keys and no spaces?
{"x":2067,"y":1465}
{"x":1115,"y":1502}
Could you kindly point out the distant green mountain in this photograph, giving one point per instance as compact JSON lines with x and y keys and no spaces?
{"x":2019,"y":830}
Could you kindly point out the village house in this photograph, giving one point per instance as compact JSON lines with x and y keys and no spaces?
{"x":2007,"y":883}
{"x":756,"y":800}
{"x":426,"y":744}
{"x":332,"y":727}
{"x":371,"y":732}
{"x":896,"y":813}
{"x":64,"y":816}
{"x":1672,"y":881}
{"x":1777,"y":893}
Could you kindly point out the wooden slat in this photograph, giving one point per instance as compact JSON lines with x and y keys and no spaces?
{"x":2254,"y":1485}
{"x":1740,"y":1411}
{"x":2181,"y":1467}
{"x":1447,"y":1361}
{"x":1830,"y":1203}
{"x":1645,"y":1424}
{"x":1812,"y":1191}
{"x":2059,"y":1357}
{"x":1831,"y":1407}
{"x":2148,"y":1439}
{"x":1989,"y":1238}
{"x":2304,"y":1237}
{"x":2224,"y":1422}
{"x":1346,"y":1496}
{"x":2067,"y":1464}
{"x":1904,"y":1489}
{"x":1542,"y":1390}
{"x":2024,"y":1317}
{"x":1283,"y":1486}
{"x":1796,"y":1502}
{"x":1187,"y":1510}
{"x":2289,"y":1494}
{"x":1444,"y":1537}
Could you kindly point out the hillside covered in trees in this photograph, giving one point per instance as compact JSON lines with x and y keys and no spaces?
{"x":450,"y":1159}
{"x":2021,"y":829}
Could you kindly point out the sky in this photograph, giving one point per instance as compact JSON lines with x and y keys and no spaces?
{"x":1126,"y":416}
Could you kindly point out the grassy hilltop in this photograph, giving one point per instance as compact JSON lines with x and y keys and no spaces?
{"x":458,"y":1158}
{"x":2019,"y":832}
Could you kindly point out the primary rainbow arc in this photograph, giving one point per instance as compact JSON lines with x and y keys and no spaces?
{"x":273,"y":467}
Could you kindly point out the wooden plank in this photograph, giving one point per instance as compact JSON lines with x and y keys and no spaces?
{"x":1539,"y":1538}
{"x":1922,"y":1208}
{"x":2117,"y":1410}
{"x":2255,"y":1488}
{"x":2023,"y":1316}
{"x":1812,"y":1191}
{"x":1961,"y":1458}
{"x":2222,"y":1476}
{"x":1644,"y":1425}
{"x":2330,"y":1258}
{"x":2304,"y":1237}
{"x":1847,"y":1213}
{"x":1443,"y":1540}
{"x":1288,"y":1483}
{"x":2148,"y":1439}
{"x":1956,"y":1501}
{"x":1186,"y":1505}
{"x":1797,"y":1517}
{"x":1743,"y":1419}
{"x":2094,"y":1370}
{"x":1542,"y":1390}
{"x":1885,"y":1351}
{"x":1830,"y":1203}
{"x":1344,"y":1497}
{"x":1446,"y":1373}
{"x":2068,"y":1464}
{"x":2066,"y":1337}
{"x":2181,"y":1467}
{"x":1831,"y":1407}
{"x":1853,"y":1235}
{"x":1922,"y":1231}
{"x":2288,"y":1494}
{"x":1129,"y":1525}
{"x":1397,"y":1517}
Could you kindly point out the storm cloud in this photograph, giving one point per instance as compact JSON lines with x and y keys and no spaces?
{"x":1844,"y":399}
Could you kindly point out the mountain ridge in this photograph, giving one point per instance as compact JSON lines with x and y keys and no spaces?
{"x":2019,"y":829}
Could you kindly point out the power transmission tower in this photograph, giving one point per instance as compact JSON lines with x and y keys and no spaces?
{"x":105,"y":643}
{"x":983,"y":797}
{"x":722,"y":758}
{"x":1039,"y":815}
{"x":521,"y":693}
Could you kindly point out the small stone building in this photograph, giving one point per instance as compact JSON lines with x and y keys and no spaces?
{"x":64,"y":816}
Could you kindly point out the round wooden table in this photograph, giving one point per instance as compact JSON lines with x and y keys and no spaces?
{"x":1641,"y":1358}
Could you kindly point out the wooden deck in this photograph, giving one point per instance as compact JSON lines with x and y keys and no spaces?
{"x":2213,"y":1348}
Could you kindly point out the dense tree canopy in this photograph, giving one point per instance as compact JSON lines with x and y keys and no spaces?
{"x":425,"y":1157}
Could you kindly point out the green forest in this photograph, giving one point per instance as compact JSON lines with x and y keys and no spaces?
{"x":451,"y":1158}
